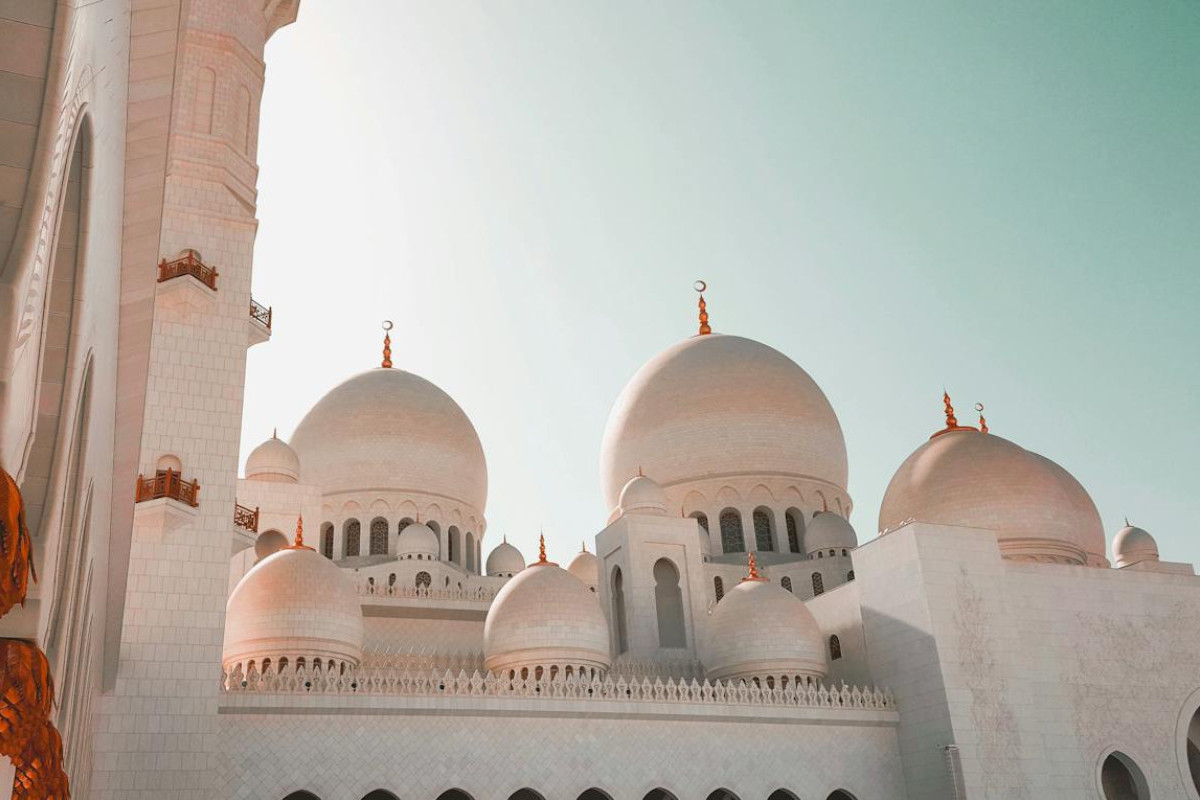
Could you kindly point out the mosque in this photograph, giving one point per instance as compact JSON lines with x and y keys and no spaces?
{"x":339,"y":623}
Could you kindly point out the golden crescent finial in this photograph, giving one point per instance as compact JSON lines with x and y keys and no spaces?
{"x":700,"y":287}
{"x":983,"y":428}
{"x":387,"y":344}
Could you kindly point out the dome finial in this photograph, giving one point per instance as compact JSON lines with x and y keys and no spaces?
{"x":583,"y":546}
{"x":299,"y":544}
{"x":700,"y":286}
{"x":753,"y":576}
{"x":640,"y":473}
{"x":542,"y":562}
{"x":1127,"y":525}
{"x":982,"y":420}
{"x":951,"y":420}
{"x":274,"y":433}
{"x":387,"y":344}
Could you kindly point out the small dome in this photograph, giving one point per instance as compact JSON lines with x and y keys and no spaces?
{"x":269,"y":542}
{"x":586,"y":567}
{"x":505,"y":561}
{"x":295,"y":603}
{"x":1133,"y":545}
{"x":713,"y":406}
{"x":274,"y":460}
{"x":829,"y":531}
{"x":545,"y":617}
{"x":760,"y":630}
{"x":979,"y":480}
{"x":390,"y":429}
{"x":418,"y":539}
{"x":641,"y":495}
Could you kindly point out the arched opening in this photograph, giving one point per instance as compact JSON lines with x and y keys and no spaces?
{"x":786,"y":582}
{"x":818,"y":584}
{"x":350,"y":534}
{"x":1120,"y":779}
{"x":722,"y":794}
{"x":794,"y":520}
{"x":470,"y":551}
{"x":69,"y":260}
{"x":850,"y":575}
{"x":455,"y":545}
{"x":301,"y":795}
{"x":327,"y":540}
{"x":379,"y":536}
{"x":835,"y":648}
{"x":782,"y":794}
{"x":454,"y":794}
{"x":1193,"y":749}
{"x":404,"y":523}
{"x":701,"y":518}
{"x":269,"y":542}
{"x":840,"y":794}
{"x":764,"y":529}
{"x":525,"y":794}
{"x":595,"y":794}
{"x":718,"y":588}
{"x":423,"y":580}
{"x":732,"y":540}
{"x":659,"y":794}
{"x":668,"y":600}
{"x":380,"y":794}
{"x":618,"y":590}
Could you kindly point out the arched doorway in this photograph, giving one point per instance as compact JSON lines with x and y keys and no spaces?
{"x":1193,"y":749}
{"x":595,"y":794}
{"x":668,"y":601}
{"x":454,"y":794}
{"x":782,"y":794}
{"x":840,"y":794}
{"x":380,"y":794}
{"x":659,"y":794}
{"x":525,"y":794}
{"x":1121,"y":779}
{"x":722,"y":794}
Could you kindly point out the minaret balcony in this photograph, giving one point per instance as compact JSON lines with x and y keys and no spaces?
{"x":259,"y":323}
{"x":165,"y":502}
{"x":245,"y":518}
{"x":187,"y":283}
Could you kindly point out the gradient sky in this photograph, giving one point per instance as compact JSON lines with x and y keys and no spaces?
{"x":1000,"y":198}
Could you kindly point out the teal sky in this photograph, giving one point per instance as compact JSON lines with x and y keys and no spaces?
{"x":1000,"y":198}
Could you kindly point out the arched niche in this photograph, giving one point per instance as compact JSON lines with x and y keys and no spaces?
{"x":1122,"y":779}
{"x":722,"y":794}
{"x":659,"y":794}
{"x":595,"y":794}
{"x":525,"y":794}
{"x":454,"y":794}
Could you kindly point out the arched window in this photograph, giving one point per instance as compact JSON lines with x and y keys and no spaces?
{"x":302,"y":796}
{"x":764,"y":536}
{"x":1121,"y":779}
{"x":718,"y":588}
{"x":595,"y":794}
{"x":379,"y":532}
{"x":351,"y":533}
{"x":423,"y":580}
{"x":659,"y":794}
{"x":732,"y":540}
{"x":1193,"y":749}
{"x":835,"y":648}
{"x":840,"y":794}
{"x":701,"y":518}
{"x":525,"y":794}
{"x":795,"y":524}
{"x":470,"y":552}
{"x":722,"y":794}
{"x":850,"y":575}
{"x":454,"y":794}
{"x":786,"y":582}
{"x":818,"y":584}
{"x":455,"y":545}
{"x":380,"y":794}
{"x":668,"y":600}
{"x":618,"y":584}
{"x":404,"y":523}
{"x":327,"y":540}
{"x":782,"y":794}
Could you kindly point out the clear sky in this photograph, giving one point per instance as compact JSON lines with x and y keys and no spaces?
{"x":1001,"y":198}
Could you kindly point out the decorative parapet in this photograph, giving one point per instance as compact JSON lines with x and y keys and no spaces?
{"x":245,"y":518}
{"x":260,"y":314}
{"x":403,"y":683}
{"x":168,"y":484}
{"x":478,"y":594}
{"x":188,"y":263}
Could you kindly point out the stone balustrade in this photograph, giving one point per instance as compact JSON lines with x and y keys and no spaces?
{"x":477,"y":594}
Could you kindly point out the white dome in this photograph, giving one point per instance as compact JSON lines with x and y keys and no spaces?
{"x":269,"y":542}
{"x":505,"y":560}
{"x":545,"y":617}
{"x":721,"y":405}
{"x":586,"y":567}
{"x":273,"y":460}
{"x":760,"y":630}
{"x":979,"y":480}
{"x":417,"y":539}
{"x":829,"y":531}
{"x":1133,"y":545}
{"x":295,"y":603}
{"x":390,"y":429}
{"x":641,"y":495}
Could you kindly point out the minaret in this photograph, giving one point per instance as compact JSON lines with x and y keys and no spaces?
{"x":187,"y":318}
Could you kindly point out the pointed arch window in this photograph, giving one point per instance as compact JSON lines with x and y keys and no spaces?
{"x":618,"y":583}
{"x":668,"y":602}
{"x":327,"y":540}
{"x":352,"y":532}
{"x":818,"y":584}
{"x":850,"y":575}
{"x":718,"y":588}
{"x":701,"y":518}
{"x":764,"y":539}
{"x":379,"y":532}
{"x":835,"y":648}
{"x":786,"y":582}
{"x":793,"y":530}
{"x":732,"y":540}
{"x":424,"y":579}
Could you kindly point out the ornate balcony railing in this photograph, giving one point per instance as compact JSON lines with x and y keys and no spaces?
{"x":168,"y":483}
{"x":188,"y":263}
{"x":245,"y":518}
{"x":260,"y":314}
{"x":378,"y":589}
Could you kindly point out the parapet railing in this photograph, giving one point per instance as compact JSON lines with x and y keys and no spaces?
{"x":245,"y":518}
{"x":479,"y":593}
{"x":260,"y":314}
{"x":168,"y":483}
{"x":403,"y":683}
{"x":188,"y":263}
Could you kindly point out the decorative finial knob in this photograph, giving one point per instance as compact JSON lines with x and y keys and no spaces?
{"x":299,"y":532}
{"x":982,"y":419}
{"x":700,"y":287}
{"x":387,"y":344}
{"x":542,"y":549}
{"x":753,"y":576}
{"x":951,"y":420}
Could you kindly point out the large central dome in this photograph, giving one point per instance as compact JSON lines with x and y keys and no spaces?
{"x":716,"y":405}
{"x":390,"y":429}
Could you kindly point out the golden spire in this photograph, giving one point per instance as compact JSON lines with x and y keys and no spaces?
{"x":951,"y":420}
{"x":387,"y":344}
{"x":542,"y":548}
{"x":982,"y":420}
{"x":753,"y":576}
{"x":299,"y":544}
{"x":700,"y":286}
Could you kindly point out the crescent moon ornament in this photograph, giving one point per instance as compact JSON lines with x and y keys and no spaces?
{"x":387,"y":324}
{"x":700,"y":286}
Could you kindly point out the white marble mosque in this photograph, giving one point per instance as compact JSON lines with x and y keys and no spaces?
{"x":340,"y":623}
